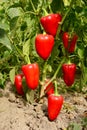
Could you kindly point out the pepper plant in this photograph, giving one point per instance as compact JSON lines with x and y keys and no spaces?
{"x":37,"y":39}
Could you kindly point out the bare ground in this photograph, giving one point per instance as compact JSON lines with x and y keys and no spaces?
{"x":17,"y":114}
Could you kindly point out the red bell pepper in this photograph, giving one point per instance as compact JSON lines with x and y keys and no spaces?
{"x":50,"y":23}
{"x":18,"y":84}
{"x":31,"y":73}
{"x":44,"y":44}
{"x":69,"y":44}
{"x":49,"y":89}
{"x":69,"y":71}
{"x":54,"y":106}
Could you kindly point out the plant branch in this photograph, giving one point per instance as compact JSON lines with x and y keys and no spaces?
{"x":67,"y":12}
{"x":53,"y":78}
{"x":33,"y":6}
{"x":18,"y":50}
{"x":63,"y":19}
{"x":43,"y":78}
{"x":5,"y":59}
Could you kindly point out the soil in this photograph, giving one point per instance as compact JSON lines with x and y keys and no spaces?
{"x":17,"y":114}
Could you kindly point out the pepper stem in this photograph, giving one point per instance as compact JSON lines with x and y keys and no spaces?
{"x":56,"y":90}
{"x":45,"y":12}
{"x":28,"y":60}
{"x":69,"y":62}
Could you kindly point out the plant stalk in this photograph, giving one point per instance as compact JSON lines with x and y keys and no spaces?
{"x":56,"y":90}
{"x":43,"y":79}
{"x":33,"y":6}
{"x":53,"y":78}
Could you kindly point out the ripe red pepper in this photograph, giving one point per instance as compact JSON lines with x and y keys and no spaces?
{"x":44,"y":44}
{"x":65,"y":39}
{"x":69,"y":44}
{"x":50,"y":23}
{"x":54,"y":106}
{"x":18,"y":84}
{"x":69,"y":71}
{"x":73,"y":43}
{"x":31,"y":72}
{"x":49,"y":89}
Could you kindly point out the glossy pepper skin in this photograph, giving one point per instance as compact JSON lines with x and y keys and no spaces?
{"x":69,"y":71}
{"x":50,"y":23}
{"x":49,"y":89}
{"x":54,"y":106}
{"x":31,"y":73}
{"x":18,"y":84}
{"x":69,"y":44}
{"x":65,"y":39}
{"x":44,"y":44}
{"x":73,"y":43}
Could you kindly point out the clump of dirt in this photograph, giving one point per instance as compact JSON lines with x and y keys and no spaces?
{"x":17,"y":114}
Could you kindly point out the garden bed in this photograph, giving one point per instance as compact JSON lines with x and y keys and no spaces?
{"x":17,"y":114}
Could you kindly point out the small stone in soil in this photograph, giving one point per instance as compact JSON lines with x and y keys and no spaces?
{"x":12,"y":97}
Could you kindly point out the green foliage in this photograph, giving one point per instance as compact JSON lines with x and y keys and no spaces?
{"x":74,"y":126}
{"x":4,"y":40}
{"x":84,"y":122}
{"x":12,"y":74}
{"x":57,"y":6}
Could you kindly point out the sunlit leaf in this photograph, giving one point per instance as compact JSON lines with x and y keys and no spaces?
{"x":2,"y":80}
{"x":5,"y":40}
{"x":26,"y":48}
{"x":14,"y":12}
{"x":4,"y":26}
{"x":77,"y":127}
{"x":2,"y":1}
{"x":80,"y":53}
{"x":30,"y":96}
{"x":12,"y":74}
{"x":66,"y":2}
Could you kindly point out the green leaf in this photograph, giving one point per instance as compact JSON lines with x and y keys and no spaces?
{"x":26,"y":48}
{"x":4,"y":39}
{"x":35,"y":3}
{"x":49,"y":67}
{"x":2,"y":1}
{"x":30,"y":96}
{"x":84,"y":121}
{"x":4,"y":26}
{"x":85,"y":74}
{"x":25,"y":87}
{"x":76,"y":127}
{"x":55,"y":51}
{"x":12,"y":75}
{"x":80,"y":53}
{"x":66,"y":2}
{"x":57,"y":5}
{"x":2,"y":80}
{"x":14,"y":12}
